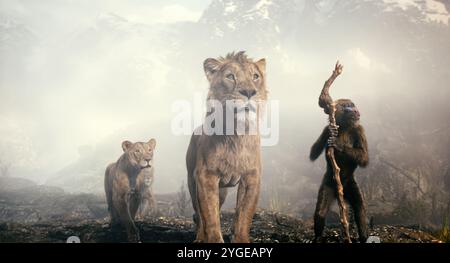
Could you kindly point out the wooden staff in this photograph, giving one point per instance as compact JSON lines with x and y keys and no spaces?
{"x":329,"y":106}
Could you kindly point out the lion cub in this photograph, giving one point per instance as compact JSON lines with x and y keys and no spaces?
{"x":127,"y":187}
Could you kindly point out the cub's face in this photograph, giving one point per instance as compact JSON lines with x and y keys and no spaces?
{"x":241,"y":81}
{"x":140,"y":154}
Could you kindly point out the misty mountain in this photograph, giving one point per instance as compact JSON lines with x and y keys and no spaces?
{"x":15,"y":35}
{"x":272,"y":27}
{"x":17,"y":43}
{"x":120,"y":78}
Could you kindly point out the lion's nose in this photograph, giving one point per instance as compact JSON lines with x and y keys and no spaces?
{"x":148,"y":159}
{"x":248,"y":92}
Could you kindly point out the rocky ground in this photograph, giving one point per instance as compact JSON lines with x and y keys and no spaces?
{"x":36,"y":213}
{"x":267,"y":227}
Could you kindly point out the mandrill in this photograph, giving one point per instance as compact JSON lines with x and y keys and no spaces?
{"x":350,"y":144}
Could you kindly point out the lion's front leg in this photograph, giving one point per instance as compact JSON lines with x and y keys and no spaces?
{"x":192,"y":185}
{"x":134,"y":202}
{"x":123,"y":209}
{"x":247,"y":199}
{"x":208,"y":202}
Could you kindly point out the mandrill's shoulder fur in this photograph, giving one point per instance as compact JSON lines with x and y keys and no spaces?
{"x":351,"y":142}
{"x":356,"y":148}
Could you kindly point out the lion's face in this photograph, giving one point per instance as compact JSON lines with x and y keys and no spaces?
{"x":139,"y":154}
{"x":236,"y":78}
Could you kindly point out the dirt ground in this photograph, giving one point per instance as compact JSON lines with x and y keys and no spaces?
{"x":267,"y":228}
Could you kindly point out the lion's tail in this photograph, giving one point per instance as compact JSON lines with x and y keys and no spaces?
{"x":108,"y":186}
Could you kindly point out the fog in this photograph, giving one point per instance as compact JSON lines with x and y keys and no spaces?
{"x":79,"y":77}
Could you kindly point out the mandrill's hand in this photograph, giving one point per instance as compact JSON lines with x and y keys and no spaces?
{"x":332,"y":142}
{"x":337,"y":69}
{"x":333,"y":130}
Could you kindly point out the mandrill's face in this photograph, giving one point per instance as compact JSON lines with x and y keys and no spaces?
{"x":347,"y":115}
{"x":237,"y":79}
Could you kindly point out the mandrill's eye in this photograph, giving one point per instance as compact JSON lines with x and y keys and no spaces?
{"x":255,"y":76}
{"x":230,"y":76}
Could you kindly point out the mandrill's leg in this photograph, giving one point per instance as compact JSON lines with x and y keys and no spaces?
{"x":356,"y":200}
{"x":208,"y":202}
{"x":324,"y":200}
{"x":247,"y":199}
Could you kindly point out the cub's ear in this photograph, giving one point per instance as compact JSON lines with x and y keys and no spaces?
{"x":152,"y":143}
{"x":211,"y":66}
{"x":261,"y":64}
{"x":126,"y":145}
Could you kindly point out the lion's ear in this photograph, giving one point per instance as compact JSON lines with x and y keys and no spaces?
{"x":261,"y":64}
{"x":152,"y":143}
{"x":211,"y":66}
{"x":126,"y":145}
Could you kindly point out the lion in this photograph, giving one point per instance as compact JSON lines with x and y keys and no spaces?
{"x":125,"y":185}
{"x":148,"y":207}
{"x":216,"y":162}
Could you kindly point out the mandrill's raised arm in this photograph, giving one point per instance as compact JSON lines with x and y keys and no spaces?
{"x":325,"y":99}
{"x":319,"y":145}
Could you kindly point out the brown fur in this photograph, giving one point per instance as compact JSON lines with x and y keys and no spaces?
{"x":216,"y":162}
{"x":148,"y":206}
{"x":126,"y":188}
{"x":351,"y":151}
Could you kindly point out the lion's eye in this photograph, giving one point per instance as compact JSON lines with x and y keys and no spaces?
{"x":255,"y":76}
{"x":230,"y":76}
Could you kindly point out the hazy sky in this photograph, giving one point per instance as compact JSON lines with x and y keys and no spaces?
{"x":93,"y":73}
{"x":61,"y":16}
{"x":59,"y":92}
